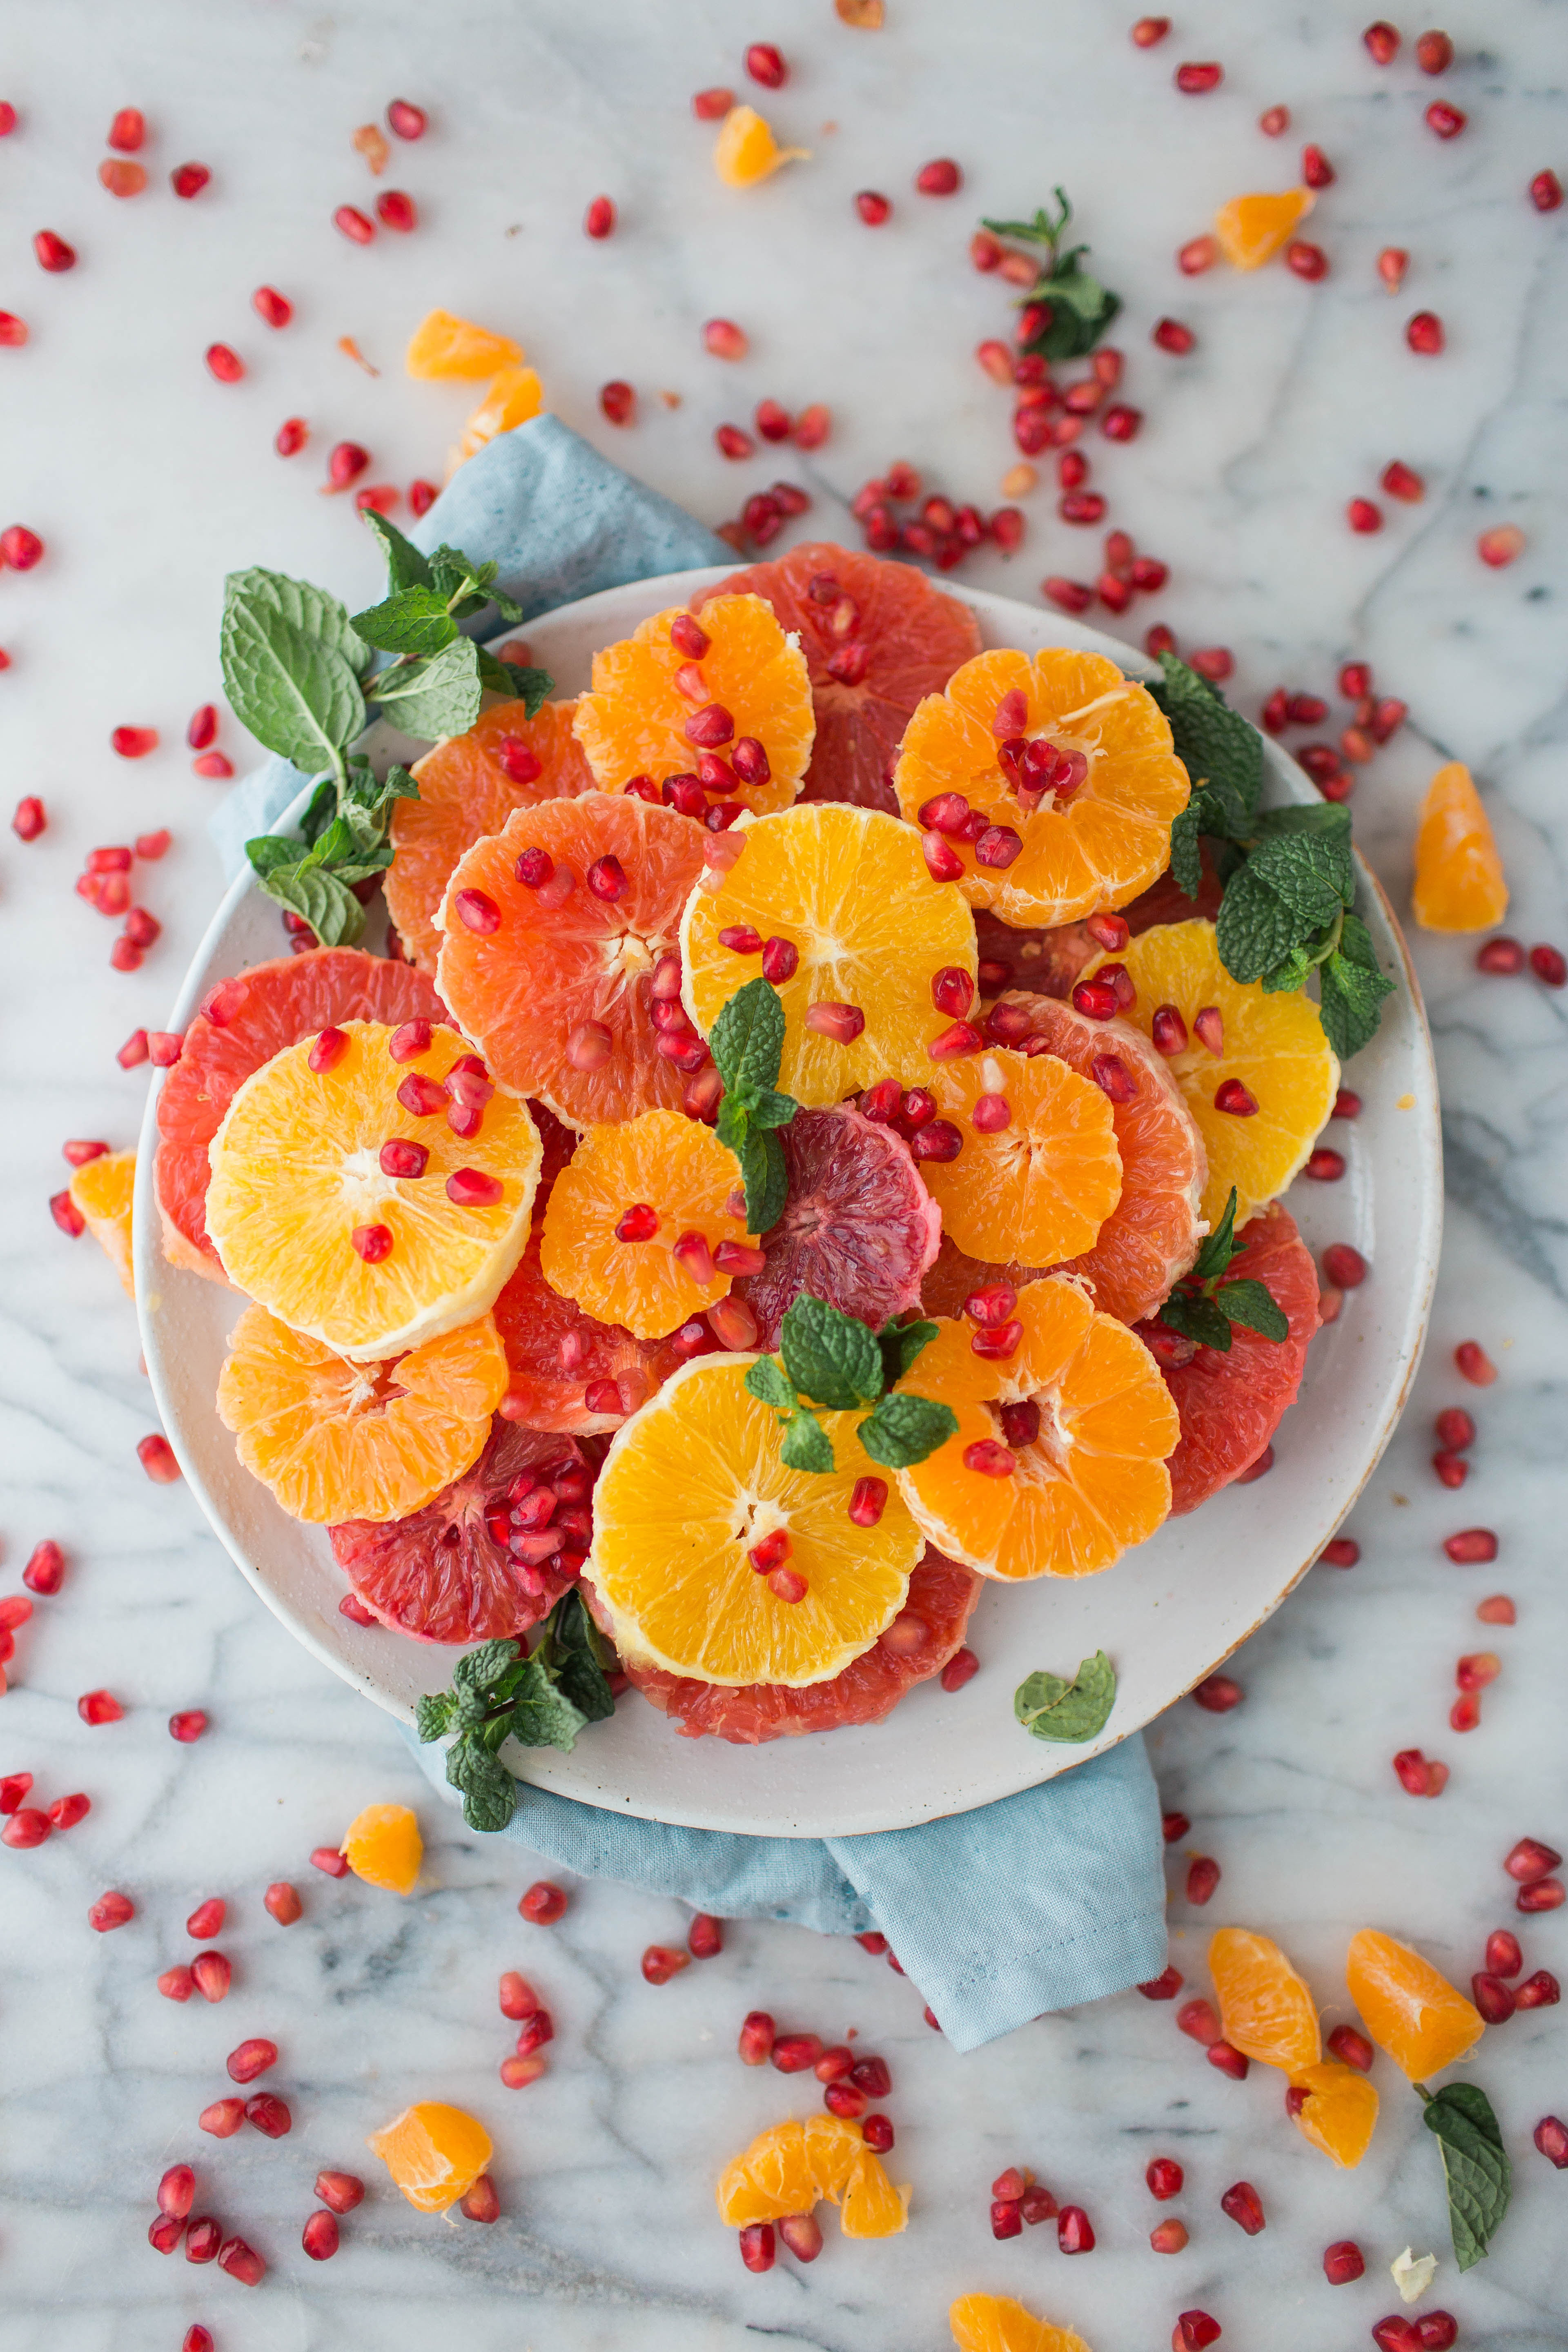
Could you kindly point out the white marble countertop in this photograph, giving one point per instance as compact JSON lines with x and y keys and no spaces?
{"x":148,"y":480}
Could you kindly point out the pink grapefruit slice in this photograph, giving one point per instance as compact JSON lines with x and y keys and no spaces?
{"x":1051,"y":959}
{"x":557,"y":1357}
{"x":858,"y":1227}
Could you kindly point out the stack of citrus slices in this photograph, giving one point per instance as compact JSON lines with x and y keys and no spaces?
{"x":692,"y":1036}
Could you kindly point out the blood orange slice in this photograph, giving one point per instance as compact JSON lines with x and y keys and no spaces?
{"x":1052,"y":959}
{"x":858,"y":1227}
{"x":557,"y":1357}
{"x":942,"y":1595}
{"x":270,"y":1006}
{"x":1231,"y":1405}
{"x":877,"y":638}
{"x":447,"y":1574}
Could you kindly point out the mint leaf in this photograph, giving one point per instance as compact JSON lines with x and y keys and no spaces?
{"x":1311,"y":872}
{"x":1050,"y":1708}
{"x":573,"y":1650}
{"x":298,"y":692}
{"x":405,"y":567}
{"x":269,"y":850}
{"x":542,"y":1715}
{"x":1220,"y":1246}
{"x":1291,"y":974}
{"x":312,"y":611}
{"x":1351,"y":988}
{"x":1253,"y":1306}
{"x":1186,"y":858}
{"x":901,"y":1344}
{"x":1256,"y":929}
{"x":374,"y":796}
{"x":411,"y":621}
{"x":1476,"y":2164}
{"x":747,"y":1040}
{"x":433,"y":1715}
{"x":1214,"y":744}
{"x":1330,"y":818}
{"x":1041,"y":230}
{"x":1197,"y":1319}
{"x":328,"y":905}
{"x":477,"y":1670}
{"x":904,"y":1429}
{"x":435,"y":697}
{"x":832,"y":1358}
{"x":766,"y":1179}
{"x":732,"y":1126}
{"x":806,"y":1445}
{"x":516,"y":680}
{"x":769,"y":1383}
{"x":490,"y":1792}
{"x":769,"y":1109}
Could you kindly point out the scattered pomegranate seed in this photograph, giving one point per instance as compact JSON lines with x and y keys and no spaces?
{"x":1343,"y":2262}
{"x":1074,"y":2234}
{"x":291,"y":437}
{"x":795,"y":2053}
{"x":66,"y":1215}
{"x":1472,"y":1545}
{"x":354,"y":225}
{"x":224,"y":363}
{"x":1548,"y":966}
{"x":1165,"y":1986}
{"x":1196,"y":79}
{"x":52,"y":252}
{"x":111,"y":1910}
{"x":1203,"y":1877}
{"x":1539,"y":1991}
{"x":1345,"y":1268}
{"x":45,"y":1570}
{"x":1149,"y":31}
{"x":30,"y":820}
{"x":757,"y":2245}
{"x":1504,"y":1958}
{"x":1198,"y":2021}
{"x":1546,"y":192}
{"x":1401,"y":482}
{"x":1006,"y":2217}
{"x":1315,"y":169}
{"x":1309,"y":261}
{"x":1424,"y":333}
{"x":1244,"y":2205}
{"x":211,"y":1975}
{"x":100,"y":1705}
{"x":1452,"y":1469}
{"x":764,"y":64}
{"x":1445,"y":120}
{"x":127,"y":130}
{"x":1218,"y":1693}
{"x":1418,"y":1776}
{"x":26,"y":1826}
{"x":1363,"y":516}
{"x":1473,"y":1364}
{"x":122,"y":178}
{"x":13,"y":1789}
{"x":662,"y":1962}
{"x":251,"y":2058}
{"x":940,"y":178}
{"x":207,"y":1919}
{"x":241,"y":2261}
{"x":269,"y":2115}
{"x":327,"y":1858}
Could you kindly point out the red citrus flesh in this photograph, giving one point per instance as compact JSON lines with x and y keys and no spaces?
{"x":858,"y":1227}
{"x":1050,"y":960}
{"x":547,"y":1391}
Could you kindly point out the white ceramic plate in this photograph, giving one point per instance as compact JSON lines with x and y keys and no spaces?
{"x":1167,"y":1614}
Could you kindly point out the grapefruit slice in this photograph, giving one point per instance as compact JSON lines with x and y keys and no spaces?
{"x":468,"y":786}
{"x":858,"y":1227}
{"x":441,"y":1574}
{"x":941,"y":1597}
{"x":557,"y":1356}
{"x":877,"y":637}
{"x":1051,"y":960}
{"x":273,"y":1005}
{"x":1231,"y":1405}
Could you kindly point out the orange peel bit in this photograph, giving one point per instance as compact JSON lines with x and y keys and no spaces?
{"x":1408,"y":2007}
{"x":789,"y":2167}
{"x":747,"y":151}
{"x":102,"y":1191}
{"x":1252,"y":229}
{"x":370,"y":141}
{"x":384,"y":1848}
{"x":994,"y":2323}
{"x":434,"y":2153}
{"x":1459,"y":883}
{"x":444,"y":348}
{"x":350,"y":351}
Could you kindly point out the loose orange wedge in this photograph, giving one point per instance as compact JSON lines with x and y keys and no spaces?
{"x":1252,"y":229}
{"x":1459,"y":883}
{"x":1266,"y":2009}
{"x":1040,"y":1188}
{"x":788,"y":2168}
{"x":625,"y":1218}
{"x":511,"y":397}
{"x":747,"y":151}
{"x":994,"y":2323}
{"x":1408,"y":2007}
{"x":1339,"y":2111}
{"x":434,"y":2153}
{"x":443,"y":347}
{"x":384,"y":1847}
{"x":102,"y":1191}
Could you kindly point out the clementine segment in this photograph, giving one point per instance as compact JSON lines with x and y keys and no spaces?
{"x":556,"y":1355}
{"x":1039,"y":1188}
{"x":994,"y":2323}
{"x":384,"y":1847}
{"x":434,"y":2153}
{"x":788,"y":2169}
{"x":1460,"y":882}
{"x":511,"y":397}
{"x":1252,"y":229}
{"x":1408,"y":2008}
{"x":636,"y":1219}
{"x":102,"y":1192}
{"x":1266,"y":2009}
{"x":443,"y":347}
{"x":1339,"y":2111}
{"x":747,"y":151}
{"x":1071,"y":765}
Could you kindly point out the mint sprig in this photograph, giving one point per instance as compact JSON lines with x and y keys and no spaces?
{"x":500,"y":1693}
{"x":1204,"y":1305}
{"x":1075,"y":1707}
{"x":747,"y":1045}
{"x":1079,"y":307}
{"x":1475,"y":2164}
{"x":833,"y":1361}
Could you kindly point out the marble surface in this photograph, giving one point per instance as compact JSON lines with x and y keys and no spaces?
{"x":148,"y":480}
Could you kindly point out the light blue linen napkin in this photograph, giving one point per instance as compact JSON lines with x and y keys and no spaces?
{"x":1034,"y":1902}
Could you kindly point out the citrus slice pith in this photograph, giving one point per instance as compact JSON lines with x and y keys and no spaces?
{"x":788,"y":2168}
{"x":730,"y":686}
{"x":635,"y":1218}
{"x":876,"y":638}
{"x":468,"y":786}
{"x":692,"y":1483}
{"x":1408,"y":2007}
{"x":1266,"y":2009}
{"x":300,"y":1167}
{"x":556,"y":1355}
{"x":434,"y":2153}
{"x":994,"y":2323}
{"x":1041,"y":1186}
{"x":272,"y":1005}
{"x":1272,"y":1047}
{"x":1459,"y":883}
{"x":1090,"y":827}
{"x":858,"y":1227}
{"x":103,"y":1190}
{"x":1058,"y":1461}
{"x":1339,"y":2111}
{"x":336,"y":1440}
{"x":558,"y":994}
{"x":847,"y":890}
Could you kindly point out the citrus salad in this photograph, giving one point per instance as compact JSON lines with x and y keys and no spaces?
{"x":804,"y":1152}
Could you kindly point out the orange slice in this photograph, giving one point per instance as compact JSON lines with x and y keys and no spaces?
{"x":692,"y":1483}
{"x":1098,"y":845}
{"x":789,"y":2167}
{"x":1252,"y":229}
{"x":1266,"y":2009}
{"x":847,"y":890}
{"x":1273,"y":1046}
{"x":384,"y":1848}
{"x":434,"y":2153}
{"x":1406,"y":2007}
{"x":1339,"y":2111}
{"x":1065,"y":1487}
{"x":340,"y":1441}
{"x":103,"y":1190}
{"x":511,"y":397}
{"x":1459,"y":883}
{"x":747,"y":151}
{"x":444,"y":346}
{"x":468,"y":786}
{"x":621,"y":1205}
{"x":559,"y":994}
{"x":1041,"y":1187}
{"x":994,"y":2323}
{"x":298,"y":1170}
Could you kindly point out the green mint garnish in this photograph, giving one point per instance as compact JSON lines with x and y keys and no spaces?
{"x":835,"y":1363}
{"x":1079,"y":308}
{"x":1475,"y":2163}
{"x":1075,"y":1709}
{"x":500,"y":1693}
{"x":747,"y":1046}
{"x":1204,"y":1305}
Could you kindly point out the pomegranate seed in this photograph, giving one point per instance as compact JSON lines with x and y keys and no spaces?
{"x":1165,"y":2178}
{"x":1445,"y":120}
{"x":1218,"y":1693}
{"x":345,"y":462}
{"x":757,"y":2245}
{"x":842,"y":1022}
{"x":1383,"y":43}
{"x":25,"y":1827}
{"x":241,"y":2261}
{"x":52,"y":252}
{"x":1350,"y":2048}
{"x":1551,"y":2137}
{"x":1121,"y":423}
{"x":1417,"y":1776}
{"x":1531,"y":1859}
{"x":250,"y":2058}
{"x":165,"y":2235}
{"x":1203,"y":1877}
{"x":13,"y":1789}
{"x":872,"y":208}
{"x":1539,"y":1991}
{"x":1095,"y":999}
{"x":372,"y":1243}
{"x":1546,"y":192}
{"x":1200,"y":253}
{"x":211,"y":1975}
{"x":1548,"y":966}
{"x":1315,"y":169}
{"x":757,"y":2035}
{"x":939,"y":1140}
{"x":1472,"y":1545}
{"x":1309,"y":261}
{"x":1193,"y":2331}
{"x":127,"y":131}
{"x":538,"y":2026}
{"x":189,"y":179}
{"x":1168,"y":2238}
{"x":1363,"y":516}
{"x":1228,"y":2061}
{"x":661,"y":1961}
{"x":1244,"y":2205}
{"x":100,"y":1705}
{"x":1437,"y":2330}
{"x":269,"y":2115}
{"x":1074,"y":2234}
{"x":1424,"y":333}
{"x":177,"y":2191}
{"x":1232,"y":1096}
{"x":1149,"y":31}
{"x":1006,"y":2217}
{"x":29,"y":819}
{"x":960,"y":1668}
{"x":795,"y":2053}
{"x":1198,"y":2021}
{"x":1081,"y":507}
{"x":940,"y":178}
{"x":1164,"y":1987}
{"x":1069,"y":596}
{"x":327,"y":1858}
{"x":201,"y":2240}
{"x":1476,"y":1671}
{"x":1401,"y":482}
{"x":952,"y":991}
{"x":733,"y":443}
{"x":1171,"y":335}
{"x":1345,"y":1268}
{"x":224,"y":363}
{"x":353,"y":223}
{"x":1343,"y":2262}
{"x":111,"y":1910}
{"x":1324,"y":1165}
{"x":207,"y":1919}
{"x":66,"y":1215}
{"x":1492,"y":1997}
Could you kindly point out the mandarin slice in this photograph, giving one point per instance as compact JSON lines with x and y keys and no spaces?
{"x":1459,"y":883}
{"x":103,"y":1190}
{"x":693,"y":1483}
{"x":335,"y":1440}
{"x":1095,"y":840}
{"x":1408,"y":2008}
{"x":1068,"y":1498}
{"x":384,"y":1847}
{"x":994,"y":2323}
{"x":1339,"y":2111}
{"x":747,"y":151}
{"x":511,"y":397}
{"x":618,"y":1232}
{"x":1252,"y":229}
{"x":298,"y":1170}
{"x":559,"y":994}
{"x":434,"y":2153}
{"x":555,"y":1354}
{"x":655,"y":708}
{"x":877,"y":637}
{"x":788,"y":2168}
{"x":468,"y":786}
{"x":858,"y":1227}
{"x":1266,"y":2009}
{"x":847,"y":890}
{"x":1273,"y":1046}
{"x":1039,"y":1188}
{"x":444,"y":346}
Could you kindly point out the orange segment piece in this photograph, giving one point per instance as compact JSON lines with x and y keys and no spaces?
{"x":673,"y":1167}
{"x":444,"y":346}
{"x":1040,"y":1188}
{"x":1339,"y":2111}
{"x":848,"y":889}
{"x":639,"y":721}
{"x":994,"y":2323}
{"x":1459,"y":883}
{"x":511,"y":397}
{"x":102,"y":1191}
{"x":691,"y":1485}
{"x":341,"y":1441}
{"x":559,"y":995}
{"x":1274,"y":1045}
{"x":788,"y":2168}
{"x":434,"y":2153}
{"x":1266,"y":2009}
{"x":297,"y":1171}
{"x":384,"y":1848}
{"x":1407,"y":2008}
{"x":468,"y":786}
{"x":1252,"y":229}
{"x":747,"y":151}
{"x":1090,"y":1482}
{"x":1099,"y":846}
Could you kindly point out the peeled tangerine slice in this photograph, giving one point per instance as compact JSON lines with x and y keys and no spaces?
{"x":335,"y":1440}
{"x":1072,"y":767}
{"x":443,"y":346}
{"x":1058,"y":1463}
{"x":1266,"y":2009}
{"x":635,"y":1218}
{"x":300,"y":1170}
{"x":846,"y":891}
{"x":747,"y":151}
{"x":994,"y":2323}
{"x":102,"y":1191}
{"x":789,"y":2167}
{"x":695,"y":1482}
{"x":1252,"y":229}
{"x":384,"y":1847}
{"x":510,"y":398}
{"x":434,"y":2153}
{"x":1335,"y":2107}
{"x":1408,"y":2008}
{"x":1459,"y":883}
{"x":1040,"y":1188}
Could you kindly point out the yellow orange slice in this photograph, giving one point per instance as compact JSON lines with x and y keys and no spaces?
{"x":747,"y":151}
{"x":1266,"y":2009}
{"x":1252,"y":229}
{"x":1040,"y":1188}
{"x":789,"y":2167}
{"x":384,"y":1847}
{"x":1409,"y":2009}
{"x":444,"y":346}
{"x":994,"y":2323}
{"x":434,"y":2153}
{"x":101,"y":1190}
{"x":1459,"y":881}
{"x":596,"y":1245}
{"x":694,"y":1481}
{"x":1338,"y":2112}
{"x":298,"y":1170}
